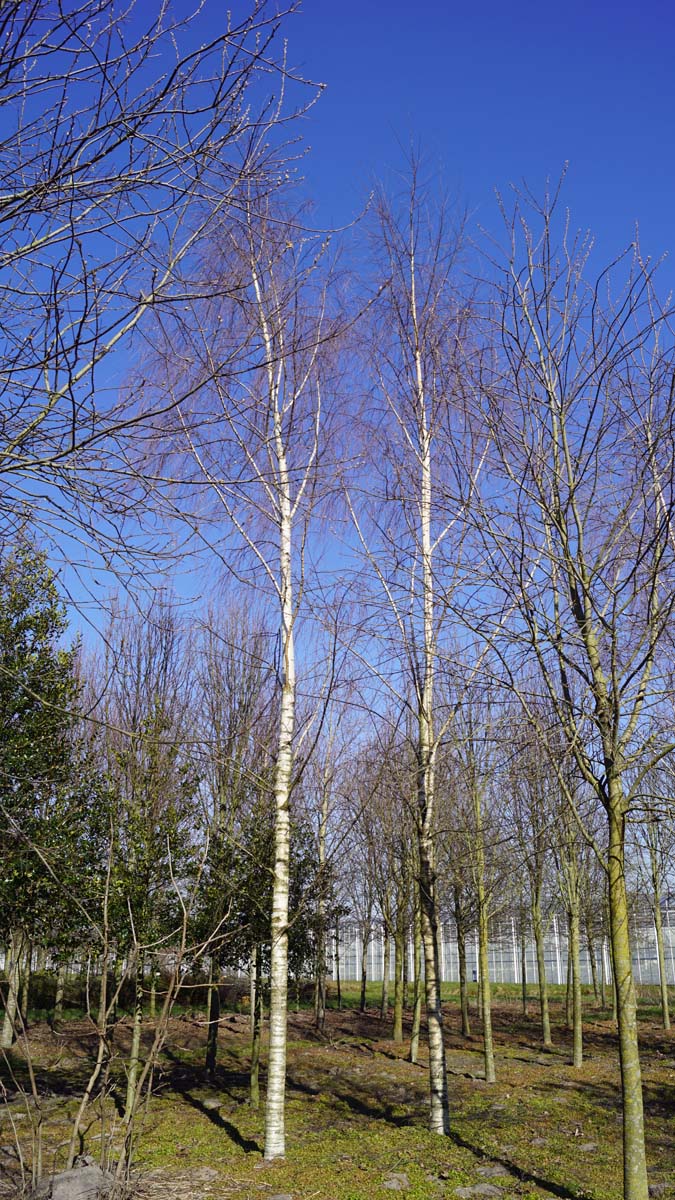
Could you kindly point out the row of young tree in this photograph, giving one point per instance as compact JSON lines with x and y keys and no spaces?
{"x":141,"y":836}
{"x":451,"y":501}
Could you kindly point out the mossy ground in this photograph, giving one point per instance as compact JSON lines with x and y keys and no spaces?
{"x":356,"y":1111}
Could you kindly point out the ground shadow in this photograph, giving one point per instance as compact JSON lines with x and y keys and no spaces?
{"x":520,"y":1173}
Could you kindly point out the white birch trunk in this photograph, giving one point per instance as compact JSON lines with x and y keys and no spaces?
{"x":275,"y":1137}
{"x":439,"y":1118}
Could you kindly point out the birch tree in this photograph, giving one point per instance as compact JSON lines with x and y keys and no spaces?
{"x":419,"y":465}
{"x":250,"y":453}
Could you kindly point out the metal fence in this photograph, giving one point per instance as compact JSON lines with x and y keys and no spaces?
{"x":505,"y":953}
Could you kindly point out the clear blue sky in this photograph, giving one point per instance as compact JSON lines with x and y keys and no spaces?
{"x":493,"y":93}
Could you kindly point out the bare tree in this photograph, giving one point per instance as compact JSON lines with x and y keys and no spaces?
{"x":131,"y":137}
{"x":249,"y":452}
{"x":580,"y":535}
{"x":419,"y":466}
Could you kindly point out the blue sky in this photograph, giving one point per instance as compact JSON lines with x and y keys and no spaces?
{"x":494,"y":93}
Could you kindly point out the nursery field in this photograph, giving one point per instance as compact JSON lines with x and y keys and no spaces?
{"x":356,"y":1111}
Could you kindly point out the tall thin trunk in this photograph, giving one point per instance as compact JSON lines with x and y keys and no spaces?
{"x":386,"y":961}
{"x":135,"y":1053}
{"x":485,"y":989}
{"x":577,"y":1015}
{"x":603,"y":976}
{"x":399,"y":954}
{"x":338,"y":981}
{"x":256,"y":1029}
{"x":13,"y":972}
{"x":60,"y":991}
{"x":364,"y":966}
{"x":417,"y":982}
{"x":214,"y":1021}
{"x":252,"y":993}
{"x":523,"y":963}
{"x":26,"y":975}
{"x":74,"y":1145}
{"x":439,"y":1116}
{"x":152,"y":1006}
{"x":320,"y":968}
{"x":658,"y":930}
{"x":593,"y":962}
{"x":634,"y":1157}
{"x":483,"y":936}
{"x":538,"y":930}
{"x":569,"y":1016}
{"x":461,"y":957}
{"x":275,"y":1122}
{"x":439,"y":1112}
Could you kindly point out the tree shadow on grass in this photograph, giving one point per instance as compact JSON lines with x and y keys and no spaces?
{"x":520,"y":1173}
{"x":376,"y":1111}
{"x":248,"y":1145}
{"x":180,"y":1080}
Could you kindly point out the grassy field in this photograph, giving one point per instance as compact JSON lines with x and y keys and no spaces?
{"x":356,"y":1114}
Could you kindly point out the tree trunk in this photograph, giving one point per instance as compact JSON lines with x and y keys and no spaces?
{"x":386,"y":959}
{"x":461,"y":957}
{"x":603,"y":976}
{"x":569,"y":1016}
{"x":523,"y":963}
{"x":439,"y":1115}
{"x":275,"y":1120}
{"x":13,"y":972}
{"x":658,"y":931}
{"x":399,"y":953}
{"x":417,"y":983}
{"x":214,"y":1021}
{"x":152,"y":1007}
{"x":60,"y":991}
{"x":135,"y":1053}
{"x":338,"y":981}
{"x":26,"y":976}
{"x":364,"y":967}
{"x":320,"y":968}
{"x":634,"y":1158}
{"x":593,"y":962}
{"x":485,"y":990}
{"x":256,"y":1030}
{"x":483,"y":937}
{"x":577,"y":1014}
